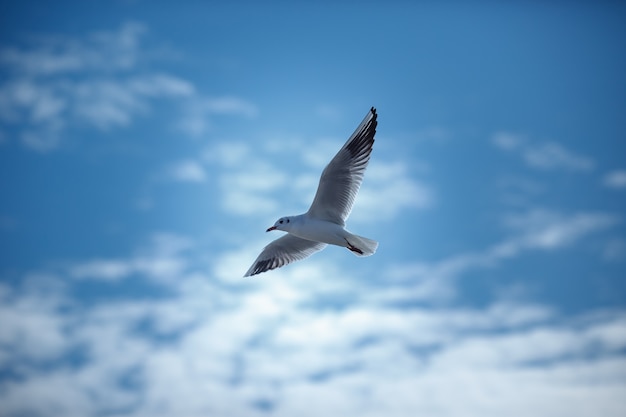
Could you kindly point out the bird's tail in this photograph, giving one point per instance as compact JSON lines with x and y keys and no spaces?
{"x":362,"y":246}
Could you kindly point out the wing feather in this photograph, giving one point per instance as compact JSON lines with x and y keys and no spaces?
{"x":283,"y":251}
{"x":342,"y":177}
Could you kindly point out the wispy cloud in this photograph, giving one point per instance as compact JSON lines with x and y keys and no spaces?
{"x":545,"y":229}
{"x":97,"y":81}
{"x":533,"y":230}
{"x":111,"y":103}
{"x":544,"y":156}
{"x":163,"y":259}
{"x":109,"y":269}
{"x":189,"y":171}
{"x":387,"y":189}
{"x":508,"y":141}
{"x":250,"y":190}
{"x":99,"y":51}
{"x":65,"y":82}
{"x":228,"y":154}
{"x":198,"y":112}
{"x":615,"y":179}
{"x":554,"y":156}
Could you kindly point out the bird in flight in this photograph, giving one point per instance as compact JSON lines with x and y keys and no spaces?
{"x":323,"y":224}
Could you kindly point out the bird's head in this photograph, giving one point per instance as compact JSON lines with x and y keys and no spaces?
{"x":284,"y":224}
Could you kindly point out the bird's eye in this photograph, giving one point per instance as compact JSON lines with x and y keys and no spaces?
{"x":280,"y":221}
{"x":287,"y":220}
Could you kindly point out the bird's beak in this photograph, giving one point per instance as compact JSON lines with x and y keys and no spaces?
{"x":271,"y":228}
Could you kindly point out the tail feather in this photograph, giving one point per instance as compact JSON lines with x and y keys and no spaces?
{"x":366,"y":246}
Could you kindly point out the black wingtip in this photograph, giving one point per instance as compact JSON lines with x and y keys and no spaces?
{"x":263,"y":266}
{"x":374,"y":115}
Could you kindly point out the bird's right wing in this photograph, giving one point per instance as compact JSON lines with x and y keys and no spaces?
{"x":283,"y":251}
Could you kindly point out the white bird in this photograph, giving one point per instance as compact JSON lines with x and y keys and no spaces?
{"x":324,"y":223}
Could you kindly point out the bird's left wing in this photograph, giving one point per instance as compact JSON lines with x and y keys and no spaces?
{"x":283,"y":251}
{"x":341,"y":179}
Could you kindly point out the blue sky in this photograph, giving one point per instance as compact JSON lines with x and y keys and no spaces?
{"x":146,"y":146}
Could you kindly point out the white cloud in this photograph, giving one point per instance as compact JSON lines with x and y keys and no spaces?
{"x":387,"y":189}
{"x":252,"y":347}
{"x":543,"y":343}
{"x":108,"y":269}
{"x":56,"y":393}
{"x":52,"y":55}
{"x":107,"y":103}
{"x":507,"y":141}
{"x":544,"y":156}
{"x":161,"y":262}
{"x":533,"y":230}
{"x":230,"y":105}
{"x":44,"y":97}
{"x":242,"y":203}
{"x":228,"y":154}
{"x":156,"y":85}
{"x":543,"y":229}
{"x":26,"y":99}
{"x":555,"y":156}
{"x":189,"y":171}
{"x":615,"y":179}
{"x":31,"y":330}
{"x":246,"y":190}
{"x":257,"y":177}
{"x":197,"y":113}
{"x":60,"y":83}
{"x":316,"y":155}
{"x":41,"y":141}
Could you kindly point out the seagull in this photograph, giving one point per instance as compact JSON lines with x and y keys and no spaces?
{"x":324,"y":223}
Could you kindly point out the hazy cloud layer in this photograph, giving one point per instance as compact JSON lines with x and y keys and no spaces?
{"x":255,"y":347}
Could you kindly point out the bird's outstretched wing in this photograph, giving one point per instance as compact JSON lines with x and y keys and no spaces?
{"x":342,"y":177}
{"x":283,"y":251}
